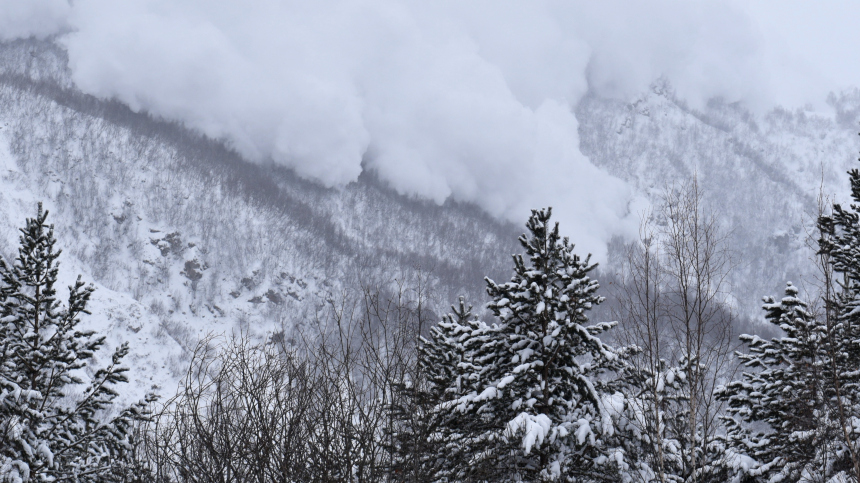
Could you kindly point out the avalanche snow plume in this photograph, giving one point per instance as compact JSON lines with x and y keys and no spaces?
{"x":448,"y":99}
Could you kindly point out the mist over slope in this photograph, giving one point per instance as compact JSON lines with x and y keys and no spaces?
{"x":183,"y":236}
{"x":468,"y":101}
{"x":762,"y":175}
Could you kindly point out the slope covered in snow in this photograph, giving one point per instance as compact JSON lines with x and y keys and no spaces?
{"x":761,"y":174}
{"x":184,"y":238}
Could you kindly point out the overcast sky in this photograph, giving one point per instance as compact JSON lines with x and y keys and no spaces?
{"x":470,"y":99}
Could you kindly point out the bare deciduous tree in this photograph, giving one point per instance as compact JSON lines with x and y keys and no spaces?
{"x":697,"y":264}
{"x":640,"y":309}
{"x":672,"y":304}
{"x":317,"y":409}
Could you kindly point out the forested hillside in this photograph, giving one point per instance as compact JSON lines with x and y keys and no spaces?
{"x":761,"y":174}
{"x":184,"y":238}
{"x":240,"y":286}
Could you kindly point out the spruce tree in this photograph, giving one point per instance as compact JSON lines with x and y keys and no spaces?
{"x":776,"y":418}
{"x":53,"y":426}
{"x":426,"y":442}
{"x":794,"y":416}
{"x":839,"y":246}
{"x":536,"y":412}
{"x":652,"y":425}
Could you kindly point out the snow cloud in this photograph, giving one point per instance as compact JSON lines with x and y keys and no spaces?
{"x":450,"y":98}
{"x":36,"y":18}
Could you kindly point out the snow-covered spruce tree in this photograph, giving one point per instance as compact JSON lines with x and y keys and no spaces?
{"x":839,"y":246}
{"x":536,"y":412}
{"x":651,"y":424}
{"x":53,"y":427}
{"x":426,"y":442}
{"x":444,"y":357}
{"x":776,"y":418}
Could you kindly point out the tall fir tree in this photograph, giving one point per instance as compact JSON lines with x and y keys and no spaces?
{"x":536,"y":411}
{"x":839,"y":246}
{"x":776,"y":418}
{"x":53,"y":426}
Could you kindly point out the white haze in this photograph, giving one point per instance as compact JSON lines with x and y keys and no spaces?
{"x":38,"y":18}
{"x":449,"y":98}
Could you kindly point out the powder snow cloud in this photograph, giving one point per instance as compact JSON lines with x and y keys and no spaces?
{"x":470,"y":100}
{"x":38,"y":18}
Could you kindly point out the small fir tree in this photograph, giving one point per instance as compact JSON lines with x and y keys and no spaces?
{"x":426,"y":442}
{"x":52,"y":425}
{"x":776,"y":416}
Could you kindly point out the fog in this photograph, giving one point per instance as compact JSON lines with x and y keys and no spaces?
{"x":37,"y":18}
{"x":446,"y":99}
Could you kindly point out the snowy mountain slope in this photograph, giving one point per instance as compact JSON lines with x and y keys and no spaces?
{"x":156,"y":358}
{"x":762,"y":174}
{"x":184,"y":238}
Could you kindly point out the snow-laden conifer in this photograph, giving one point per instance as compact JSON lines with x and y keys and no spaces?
{"x":427,"y":442}
{"x":776,"y":417}
{"x":651,"y":428}
{"x":535,"y":411}
{"x":53,"y":426}
{"x":839,"y":248}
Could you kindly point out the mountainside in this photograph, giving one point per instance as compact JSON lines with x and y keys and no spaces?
{"x":761,"y":174}
{"x":183,"y":238}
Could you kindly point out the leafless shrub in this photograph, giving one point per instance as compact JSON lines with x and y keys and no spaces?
{"x":315,"y":410}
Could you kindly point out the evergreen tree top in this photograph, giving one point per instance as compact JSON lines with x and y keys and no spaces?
{"x":52,"y":426}
{"x":532,"y":398}
{"x":553,"y":288}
